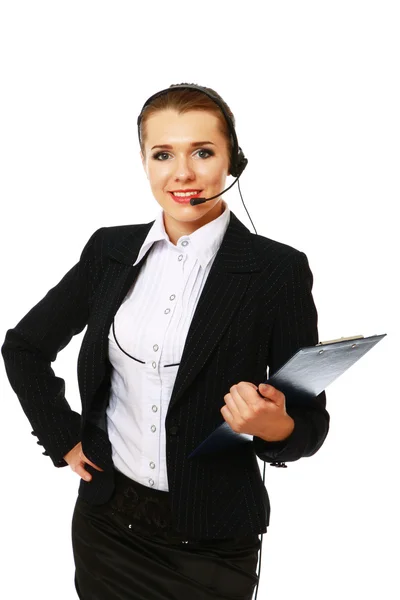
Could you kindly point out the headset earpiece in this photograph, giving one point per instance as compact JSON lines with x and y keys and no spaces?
{"x":239,"y":164}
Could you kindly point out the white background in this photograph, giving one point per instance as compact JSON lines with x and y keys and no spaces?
{"x":314,"y":87}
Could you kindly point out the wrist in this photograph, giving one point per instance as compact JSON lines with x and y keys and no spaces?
{"x":284,"y":432}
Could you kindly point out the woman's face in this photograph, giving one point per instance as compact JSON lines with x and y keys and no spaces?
{"x":182,"y":166}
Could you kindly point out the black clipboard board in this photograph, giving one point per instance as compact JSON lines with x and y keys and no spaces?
{"x":305,"y":375}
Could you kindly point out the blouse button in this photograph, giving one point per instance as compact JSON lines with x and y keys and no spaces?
{"x":172,"y":297}
{"x":151,"y":482}
{"x":185,"y":243}
{"x":152,"y":465}
{"x":155,"y":347}
{"x":180,"y":257}
{"x":154,"y":364}
{"x":154,"y":407}
{"x":153,"y":428}
{"x":167,"y":310}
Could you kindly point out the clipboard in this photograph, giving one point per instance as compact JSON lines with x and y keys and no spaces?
{"x":305,"y":375}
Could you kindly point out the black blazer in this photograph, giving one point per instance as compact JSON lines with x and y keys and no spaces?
{"x":256,"y":309}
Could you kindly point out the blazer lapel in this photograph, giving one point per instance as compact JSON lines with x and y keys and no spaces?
{"x":223,"y":291}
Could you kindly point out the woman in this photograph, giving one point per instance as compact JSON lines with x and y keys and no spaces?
{"x":183,"y":315}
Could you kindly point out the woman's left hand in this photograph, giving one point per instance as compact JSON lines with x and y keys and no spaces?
{"x":263,"y":416}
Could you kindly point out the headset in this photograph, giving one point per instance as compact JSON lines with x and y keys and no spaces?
{"x":238,"y":163}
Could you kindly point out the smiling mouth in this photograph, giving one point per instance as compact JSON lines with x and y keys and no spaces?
{"x":185,"y":199}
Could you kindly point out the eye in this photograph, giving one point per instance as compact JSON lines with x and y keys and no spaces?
{"x":158,"y":154}
{"x":209,"y":152}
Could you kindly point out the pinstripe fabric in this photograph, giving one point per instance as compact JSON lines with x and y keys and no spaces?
{"x":256,"y":309}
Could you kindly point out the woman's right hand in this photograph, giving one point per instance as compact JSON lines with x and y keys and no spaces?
{"x":76,"y":460}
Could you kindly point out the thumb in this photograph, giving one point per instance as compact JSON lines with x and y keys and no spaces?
{"x":87,"y":460}
{"x":263,"y":387}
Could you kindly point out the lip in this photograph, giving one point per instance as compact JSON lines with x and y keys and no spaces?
{"x":185,"y":200}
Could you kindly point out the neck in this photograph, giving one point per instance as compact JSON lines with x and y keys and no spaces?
{"x":174,"y":234}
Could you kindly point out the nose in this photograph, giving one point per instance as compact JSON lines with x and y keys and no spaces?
{"x":183,"y":168}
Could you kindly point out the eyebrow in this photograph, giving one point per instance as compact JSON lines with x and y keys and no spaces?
{"x":192,"y":145}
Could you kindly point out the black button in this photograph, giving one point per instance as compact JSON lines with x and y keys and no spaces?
{"x":46,"y":453}
{"x":33,"y":433}
{"x":174,"y":430}
{"x":39,"y":443}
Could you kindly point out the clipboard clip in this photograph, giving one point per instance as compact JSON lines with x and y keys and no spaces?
{"x":342,"y":339}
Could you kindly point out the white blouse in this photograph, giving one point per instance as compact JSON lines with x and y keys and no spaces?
{"x":151,"y":326}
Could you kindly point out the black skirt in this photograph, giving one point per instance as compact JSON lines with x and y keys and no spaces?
{"x":125,"y":549}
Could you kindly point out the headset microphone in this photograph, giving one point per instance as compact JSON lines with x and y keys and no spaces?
{"x":194,"y":201}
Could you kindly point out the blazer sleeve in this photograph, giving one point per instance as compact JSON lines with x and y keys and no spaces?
{"x":30,"y":347}
{"x":295,"y":326}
